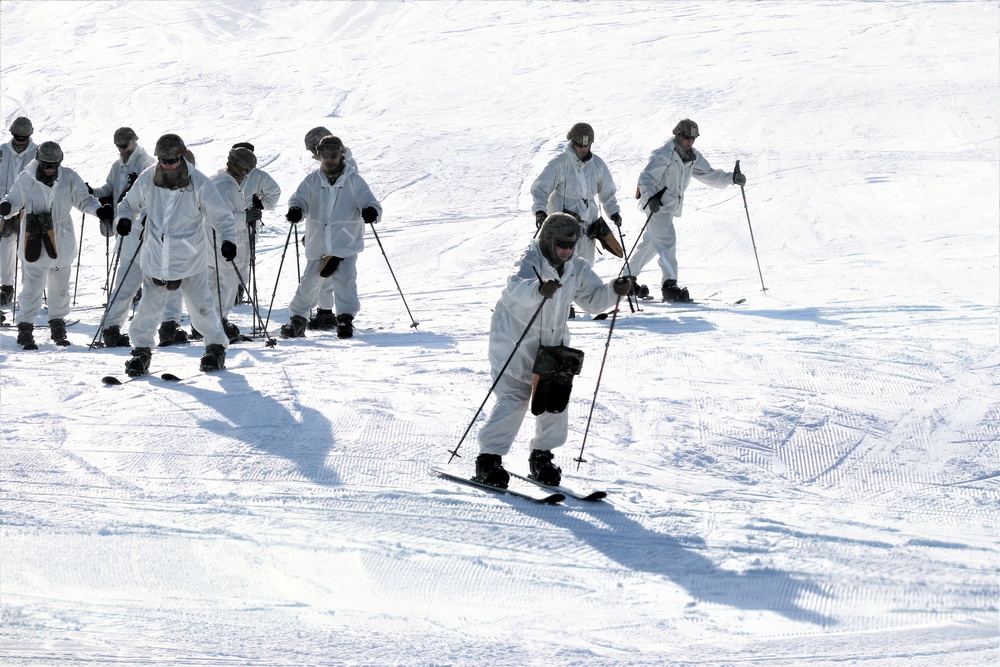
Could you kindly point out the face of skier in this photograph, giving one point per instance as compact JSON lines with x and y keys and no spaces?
{"x":170,"y":165}
{"x":686,"y":141}
{"x":581,"y":150}
{"x":564,"y":249}
{"x":126,"y":148}
{"x":19,"y":142}
{"x":330,"y":159}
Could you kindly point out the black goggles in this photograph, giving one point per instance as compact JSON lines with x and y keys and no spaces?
{"x":48,"y":165}
{"x":169,"y":161}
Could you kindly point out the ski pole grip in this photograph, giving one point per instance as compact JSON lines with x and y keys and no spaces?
{"x":737,"y":169}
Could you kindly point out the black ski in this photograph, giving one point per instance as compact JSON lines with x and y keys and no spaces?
{"x":527,"y":494}
{"x":589,"y":496}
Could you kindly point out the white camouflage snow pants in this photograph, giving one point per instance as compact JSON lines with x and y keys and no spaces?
{"x":659,"y":240}
{"x":8,"y":254}
{"x":314,"y":287}
{"x":128,"y":280}
{"x":35,"y":280}
{"x":202,"y":305}
{"x":513,"y":400}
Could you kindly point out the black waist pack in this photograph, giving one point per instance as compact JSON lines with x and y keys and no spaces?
{"x":554,"y":369}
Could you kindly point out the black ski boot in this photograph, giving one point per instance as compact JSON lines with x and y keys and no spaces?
{"x":57,"y":330}
{"x":489,"y":470}
{"x":113,"y":337}
{"x":171,"y":334}
{"x":25,"y":336}
{"x":671,"y":292}
{"x":324,"y":319}
{"x":195,"y":334}
{"x":6,"y":295}
{"x":139,"y":363}
{"x":296,"y":327}
{"x":543,"y":470}
{"x":231,"y":330}
{"x":638,"y":291}
{"x":214,"y":358}
{"x":345,"y":326}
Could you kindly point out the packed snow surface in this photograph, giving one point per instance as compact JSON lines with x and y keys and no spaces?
{"x":809,"y":477}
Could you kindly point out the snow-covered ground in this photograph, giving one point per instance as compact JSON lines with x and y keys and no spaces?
{"x":810,"y":477}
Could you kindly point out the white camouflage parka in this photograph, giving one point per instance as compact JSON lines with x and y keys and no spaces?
{"x":178,"y":224}
{"x":666,"y":169}
{"x":333,"y":212}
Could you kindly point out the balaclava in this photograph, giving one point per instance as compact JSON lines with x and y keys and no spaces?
{"x":241,"y":161}
{"x":48,"y":151}
{"x":561,"y":227}
{"x":123,"y":136}
{"x":171,"y":147}
{"x":583,"y":135}
{"x":686,"y":128}
{"x":330,"y":146}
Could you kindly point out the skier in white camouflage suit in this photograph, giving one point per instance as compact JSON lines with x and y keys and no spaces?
{"x":14,"y":157}
{"x":132,"y":161}
{"x":225,"y":281}
{"x":261,"y":193}
{"x":181,"y":207}
{"x":572,"y":183}
{"x":661,"y":196}
{"x":335,"y":201}
{"x":549,"y":268}
{"x":326,"y":317}
{"x":47,"y":192}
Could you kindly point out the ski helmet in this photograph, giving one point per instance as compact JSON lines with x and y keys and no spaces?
{"x":313,"y":136}
{"x":240,"y":162}
{"x":124,"y":136}
{"x":21,"y":127}
{"x":330,"y":145}
{"x":170,"y":147}
{"x":686,"y":128}
{"x":557,"y":228}
{"x":49,"y":151}
{"x":581,"y":133}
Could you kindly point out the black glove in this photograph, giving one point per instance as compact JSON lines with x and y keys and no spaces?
{"x":106,"y":213}
{"x":539,"y":218}
{"x":257,"y":203}
{"x":228,"y":250}
{"x":253,"y":216}
{"x":106,"y":199}
{"x":654,"y":204}
{"x":294,"y":214}
{"x":622,"y":286}
{"x":124,"y":226}
{"x":616,"y":218}
{"x":739,"y":179}
{"x":369,"y":214}
{"x":131,"y":178}
{"x":4,"y":208}
{"x":548,"y":288}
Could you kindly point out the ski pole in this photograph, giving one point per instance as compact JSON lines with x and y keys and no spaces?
{"x":414,"y":323}
{"x":100,"y":327}
{"x":454,"y":452}
{"x":630,"y":294}
{"x":79,"y":254}
{"x":752,"y":242}
{"x":270,"y":342}
{"x":278,"y":278}
{"x":614,"y":315}
{"x":298,"y":266}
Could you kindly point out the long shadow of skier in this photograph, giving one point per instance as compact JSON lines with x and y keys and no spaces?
{"x":625,"y":541}
{"x":268,"y":426}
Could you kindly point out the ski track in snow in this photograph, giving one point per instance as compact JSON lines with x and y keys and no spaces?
{"x":810,"y":477}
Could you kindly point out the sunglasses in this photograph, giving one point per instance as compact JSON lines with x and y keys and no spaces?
{"x":566,"y":245}
{"x":125,"y":145}
{"x":171,"y":161}
{"x":579,"y":145}
{"x":48,"y":165}
{"x":689,"y":137}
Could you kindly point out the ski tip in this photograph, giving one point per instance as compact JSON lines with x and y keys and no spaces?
{"x":554,"y":499}
{"x":170,"y":377}
{"x":736,"y":303}
{"x":110,"y":380}
{"x":600,"y":316}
